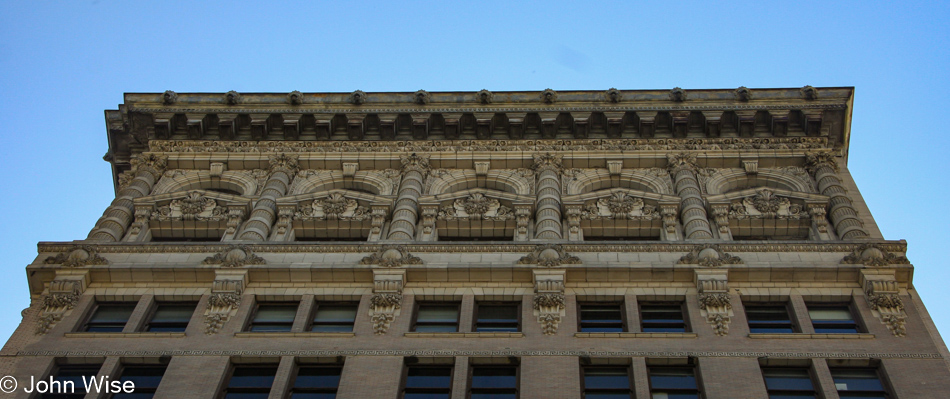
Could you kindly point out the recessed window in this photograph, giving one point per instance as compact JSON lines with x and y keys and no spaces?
{"x":437,"y":317}
{"x":673,"y":383}
{"x":662,"y":317}
{"x":607,"y":383}
{"x":250,"y":382}
{"x":171,"y":317}
{"x":858,"y":383}
{"x":788,"y":383}
{"x":334,"y":317}
{"x":273,"y":317}
{"x":145,"y":378}
{"x":109,"y":317}
{"x":316,"y":382}
{"x":769,"y":318}
{"x":601,"y":317}
{"x":428,"y":382}
{"x":71,"y":379}
{"x":494,"y":382}
{"x":497,"y":317}
{"x":832,"y":319}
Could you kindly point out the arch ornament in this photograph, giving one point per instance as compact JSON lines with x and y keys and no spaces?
{"x":791,"y":178}
{"x":378,"y":182}
{"x":653,"y":180}
{"x":515,"y":181}
{"x":180,"y":180}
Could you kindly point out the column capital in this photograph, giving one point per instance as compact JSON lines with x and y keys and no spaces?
{"x":547,"y":161}
{"x":815,"y":160}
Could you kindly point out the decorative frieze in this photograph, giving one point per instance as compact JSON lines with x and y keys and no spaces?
{"x":549,"y":255}
{"x":80,"y":255}
{"x":709,"y":255}
{"x":391,"y":256}
{"x":235,"y":256}
{"x":874,"y":255}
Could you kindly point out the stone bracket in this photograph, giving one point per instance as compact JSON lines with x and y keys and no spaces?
{"x":715,"y":303}
{"x":882,"y":292}
{"x":62,"y":296}
{"x":226,"y":291}
{"x":386,"y":302}
{"x":549,"y":301}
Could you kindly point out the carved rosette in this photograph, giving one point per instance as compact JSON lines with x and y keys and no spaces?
{"x":484,"y":96}
{"x":62,"y":296}
{"x":334,"y":207}
{"x":743,"y":93}
{"x":421,"y":97}
{"x":677,"y":94}
{"x":391,"y":256}
{"x":766,"y":205}
{"x":548,"y":96}
{"x":235,"y":256}
{"x":232,"y":98}
{"x":476,"y":207}
{"x":549,"y":255}
{"x":613,"y":95}
{"x":873,"y":255}
{"x":619,"y":206}
{"x":884,"y":299}
{"x":169,"y":97}
{"x":358,"y":97}
{"x":223,"y":302}
{"x":81,"y":255}
{"x":295,"y":97}
{"x":709,"y":255}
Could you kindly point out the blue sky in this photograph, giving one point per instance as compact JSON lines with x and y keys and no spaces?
{"x":63,"y":63}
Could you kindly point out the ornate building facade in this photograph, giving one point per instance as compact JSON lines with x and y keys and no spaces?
{"x":583,"y":244}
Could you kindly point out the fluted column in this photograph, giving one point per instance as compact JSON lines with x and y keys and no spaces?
{"x":683,"y":169}
{"x":548,"y":203}
{"x":406,"y":212}
{"x":824,"y":168}
{"x":258,"y":226}
{"x":146,"y":170}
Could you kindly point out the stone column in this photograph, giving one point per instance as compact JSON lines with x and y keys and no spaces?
{"x":824,"y":168}
{"x":548,"y":206}
{"x":406,"y":213}
{"x":282,"y":171}
{"x":146,"y":170}
{"x":683,"y":169}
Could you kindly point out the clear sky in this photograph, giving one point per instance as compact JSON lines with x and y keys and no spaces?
{"x":63,"y":63}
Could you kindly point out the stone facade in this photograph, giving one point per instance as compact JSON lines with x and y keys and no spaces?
{"x":713,"y":202}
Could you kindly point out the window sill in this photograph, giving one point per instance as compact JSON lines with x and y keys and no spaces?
{"x":464,"y":335}
{"x":809,"y":336}
{"x":125,"y":335}
{"x":294,"y":335}
{"x":633,"y":335}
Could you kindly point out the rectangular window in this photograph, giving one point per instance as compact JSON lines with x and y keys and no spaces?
{"x":171,"y":317}
{"x":832,"y":319}
{"x":273,"y":317}
{"x":673,"y":383}
{"x":316,"y":382}
{"x":250,"y":382}
{"x":607,"y":383}
{"x":858,"y":383}
{"x":497,"y":317}
{"x":662,"y":317}
{"x":334,"y":317}
{"x":145,"y":378}
{"x":494,"y":382}
{"x":601,"y":317}
{"x":788,"y":383}
{"x":109,"y":317}
{"x":769,"y":318}
{"x":428,"y":382}
{"x":71,"y":381}
{"x":437,"y":317}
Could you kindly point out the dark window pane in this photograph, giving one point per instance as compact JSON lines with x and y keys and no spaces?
{"x":497,"y":318}
{"x":313,"y":396}
{"x":601,"y":318}
{"x":606,"y":395}
{"x":856,"y":380}
{"x":274,"y":317}
{"x":426,"y":395}
{"x":171,"y":317}
{"x":334,"y":318}
{"x":606,"y":378}
{"x":318,"y":377}
{"x":788,"y":379}
{"x":792,"y":396}
{"x":672,"y":378}
{"x":110,"y":317}
{"x":74,"y":375}
{"x":144,"y":378}
{"x":253,"y":377}
{"x":429,"y":377}
{"x":769,"y":319}
{"x":437,"y":318}
{"x":832,"y":319}
{"x":242,"y":395}
{"x":496,"y":395}
{"x":134,"y":395}
{"x":494,"y":377}
{"x":662,"y":318}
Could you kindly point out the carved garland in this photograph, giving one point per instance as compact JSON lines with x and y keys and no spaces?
{"x":709,"y":255}
{"x":82,"y":255}
{"x":391,"y":256}
{"x":549,"y":255}
{"x":235,"y":256}
{"x":874,"y":255}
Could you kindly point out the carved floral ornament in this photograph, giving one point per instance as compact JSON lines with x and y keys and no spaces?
{"x":415,"y":163}
{"x":334,"y":207}
{"x":295,"y":97}
{"x":619,"y":206}
{"x":548,"y":96}
{"x":874,"y":255}
{"x":476,"y":207}
{"x":743,"y":93}
{"x":235,"y":256}
{"x":169,"y":97}
{"x":549,"y":255}
{"x":484,"y":96}
{"x":421,"y":97}
{"x":766,"y":205}
{"x":547,"y":161}
{"x":152,"y":163}
{"x":284,"y":163}
{"x":391,"y":256}
{"x":82,"y":255}
{"x":816,"y":160}
{"x":709,"y":255}
{"x":232,"y":98}
{"x":194,"y":206}
{"x":613,"y":95}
